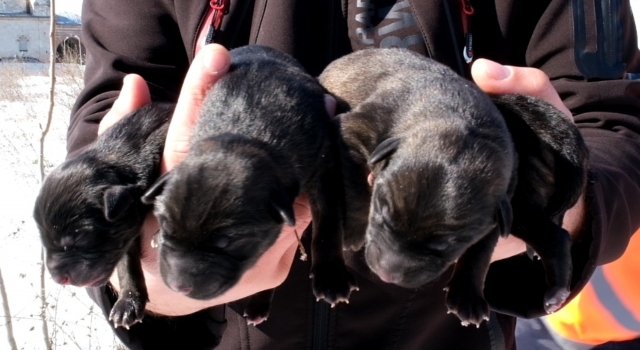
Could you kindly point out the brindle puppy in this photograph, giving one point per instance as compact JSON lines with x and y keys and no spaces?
{"x":444,"y":171}
{"x":89,"y":212}
{"x":263,"y":137}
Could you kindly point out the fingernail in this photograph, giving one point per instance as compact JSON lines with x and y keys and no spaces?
{"x":214,"y":60}
{"x":496,"y":71}
{"x":124,"y":96}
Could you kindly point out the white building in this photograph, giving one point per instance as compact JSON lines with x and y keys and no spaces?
{"x":24,"y":29}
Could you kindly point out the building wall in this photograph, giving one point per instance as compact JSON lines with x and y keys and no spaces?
{"x":36,"y":31}
{"x":40,"y":7}
{"x":13,"y":6}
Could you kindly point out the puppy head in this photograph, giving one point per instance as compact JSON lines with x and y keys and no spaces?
{"x":86,"y":220}
{"x":219,"y":211}
{"x":429,"y":205}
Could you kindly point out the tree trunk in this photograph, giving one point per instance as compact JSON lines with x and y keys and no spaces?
{"x":45,"y":131}
{"x":7,"y":312}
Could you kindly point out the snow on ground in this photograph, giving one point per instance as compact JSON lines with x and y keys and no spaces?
{"x":24,"y":91}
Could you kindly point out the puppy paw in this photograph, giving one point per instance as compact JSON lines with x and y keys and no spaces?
{"x":256,"y":313}
{"x":353,"y":247}
{"x":353,"y":242}
{"x":554,"y":298}
{"x":127,"y":311}
{"x":332,"y":282}
{"x":468,"y":305}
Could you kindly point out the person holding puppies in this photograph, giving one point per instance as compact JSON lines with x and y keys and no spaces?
{"x":154,"y":50}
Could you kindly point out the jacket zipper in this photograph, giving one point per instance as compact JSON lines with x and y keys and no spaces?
{"x":456,"y":47}
{"x":320,"y":340}
{"x":496,"y":336}
{"x":220,"y":8}
{"x":321,"y":309}
{"x":213,"y":16}
{"x":466,"y":10}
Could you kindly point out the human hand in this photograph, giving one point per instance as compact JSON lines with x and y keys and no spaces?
{"x":208,"y":66}
{"x":494,"y":78}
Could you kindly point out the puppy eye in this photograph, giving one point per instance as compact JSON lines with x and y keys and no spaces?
{"x":438,"y":245}
{"x":222,"y":242}
{"x":443,"y":243}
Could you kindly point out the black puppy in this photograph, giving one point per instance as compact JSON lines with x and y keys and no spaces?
{"x":444,"y":171}
{"x":89,"y":212}
{"x":263,"y":136}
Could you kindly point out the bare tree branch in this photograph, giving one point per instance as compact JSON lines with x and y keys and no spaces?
{"x":43,"y":301}
{"x":7,"y":311}
{"x":52,"y":87}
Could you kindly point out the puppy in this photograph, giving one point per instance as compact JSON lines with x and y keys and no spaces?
{"x":89,"y":212}
{"x":263,"y":137}
{"x":552,"y":174}
{"x":444,"y":172}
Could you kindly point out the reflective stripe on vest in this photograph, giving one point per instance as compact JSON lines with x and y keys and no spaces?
{"x":607,"y":309}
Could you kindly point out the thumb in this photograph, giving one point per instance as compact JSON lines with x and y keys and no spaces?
{"x":211,"y":63}
{"x":133,"y":95}
{"x":494,"y":78}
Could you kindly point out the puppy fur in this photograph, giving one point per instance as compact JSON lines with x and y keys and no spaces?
{"x":444,"y":170}
{"x":263,"y":137}
{"x":89,"y":212}
{"x":552,"y":174}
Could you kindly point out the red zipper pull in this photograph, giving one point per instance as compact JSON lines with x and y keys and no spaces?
{"x":466,"y":7}
{"x":466,"y":12}
{"x":220,"y":8}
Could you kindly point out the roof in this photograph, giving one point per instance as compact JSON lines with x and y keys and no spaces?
{"x":68,"y":18}
{"x":64,"y":18}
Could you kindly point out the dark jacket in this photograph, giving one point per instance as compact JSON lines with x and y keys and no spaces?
{"x":586,"y":50}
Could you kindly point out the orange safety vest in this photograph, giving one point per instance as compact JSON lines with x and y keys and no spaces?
{"x":607,"y":309}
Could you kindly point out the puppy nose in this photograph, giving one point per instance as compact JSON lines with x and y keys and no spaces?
{"x":386,"y":265}
{"x":182,"y":288}
{"x":388,"y":277}
{"x":185,"y":291}
{"x":61,"y":279}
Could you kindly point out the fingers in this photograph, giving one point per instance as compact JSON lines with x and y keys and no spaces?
{"x":494,"y":78}
{"x":133,"y":95}
{"x":211,"y":63}
{"x":330,"y":104}
{"x":508,"y":247}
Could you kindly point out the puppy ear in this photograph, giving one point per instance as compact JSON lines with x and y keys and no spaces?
{"x":117,"y":200}
{"x":504,"y":217}
{"x":385,"y":149}
{"x":283,"y":207}
{"x":156,"y":189}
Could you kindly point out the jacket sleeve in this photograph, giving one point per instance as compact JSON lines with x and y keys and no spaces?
{"x":122,"y":37}
{"x":586,"y":51}
{"x":201,"y":330}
